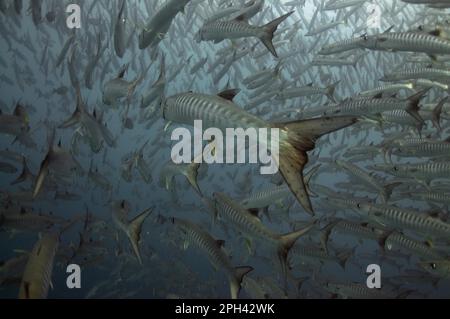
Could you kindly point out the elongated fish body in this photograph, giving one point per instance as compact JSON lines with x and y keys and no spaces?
{"x":64,"y":50}
{"x":120,"y":31}
{"x":408,"y":42}
{"x":216,"y":255}
{"x":251,"y":227}
{"x":392,"y":216}
{"x":397,"y":241}
{"x":28,"y":222}
{"x":422,"y":148}
{"x":295,"y":137}
{"x":266,"y":197}
{"x":377,"y":106}
{"x":433,"y":74}
{"x":341,"y":46}
{"x":425,"y":171}
{"x":160,"y":23}
{"x":336,"y":5}
{"x":358,"y":291}
{"x":359,"y":230}
{"x":38,"y":271}
{"x":366,"y":178}
{"x":307,"y":91}
{"x":389,"y":88}
{"x":315,"y":254}
{"x":132,"y":228}
{"x":218,"y":31}
{"x":434,"y":197}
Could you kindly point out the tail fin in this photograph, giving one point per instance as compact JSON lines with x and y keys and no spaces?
{"x":413,"y":107}
{"x":301,"y":138}
{"x":436,"y":116}
{"x":134,"y":232}
{"x":343,"y":257}
{"x":330,"y":91}
{"x":26,"y":174}
{"x":387,"y":191}
{"x":269,"y":30}
{"x":236,"y":280}
{"x":75,"y":118}
{"x":191,"y":173}
{"x":286,"y":243}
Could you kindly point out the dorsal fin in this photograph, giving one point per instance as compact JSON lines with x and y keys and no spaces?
{"x":220,"y":242}
{"x":378,"y":96}
{"x":123,"y":71}
{"x":253,"y":211}
{"x":229,"y":94}
{"x":388,"y":29}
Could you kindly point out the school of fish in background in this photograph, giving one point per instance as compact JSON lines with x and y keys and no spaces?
{"x":87,"y":178}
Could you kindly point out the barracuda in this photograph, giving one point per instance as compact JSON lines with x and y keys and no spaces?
{"x":392,"y":216}
{"x":379,"y":105}
{"x":216,"y":255}
{"x":425,"y":172}
{"x":218,"y":31}
{"x":251,"y":226}
{"x":397,"y":241}
{"x":407,"y":42}
{"x":433,"y":74}
{"x":384,"y":191}
{"x":296,"y":138}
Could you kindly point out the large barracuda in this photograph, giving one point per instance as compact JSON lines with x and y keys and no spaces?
{"x":218,"y":31}
{"x":213,"y":248}
{"x":160,"y":23}
{"x":296,"y":138}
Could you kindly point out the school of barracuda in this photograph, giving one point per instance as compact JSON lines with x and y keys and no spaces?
{"x":358,"y":88}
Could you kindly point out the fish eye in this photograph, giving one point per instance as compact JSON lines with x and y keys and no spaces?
{"x":433,"y":265}
{"x":395,"y":168}
{"x":358,"y":205}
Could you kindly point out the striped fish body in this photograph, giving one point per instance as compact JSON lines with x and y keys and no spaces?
{"x":220,"y":30}
{"x":38,"y":271}
{"x":358,"y":291}
{"x":396,"y":242}
{"x":216,"y":255}
{"x":266,"y":197}
{"x":409,"y":42}
{"x":214,"y":111}
{"x":391,"y":216}
{"x":243,"y":221}
{"x":433,"y":74}
{"x":205,"y":242}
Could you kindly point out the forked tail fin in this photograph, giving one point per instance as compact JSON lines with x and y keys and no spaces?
{"x":236,"y":280}
{"x":134,"y":232}
{"x":269,"y":30}
{"x":301,"y":138}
